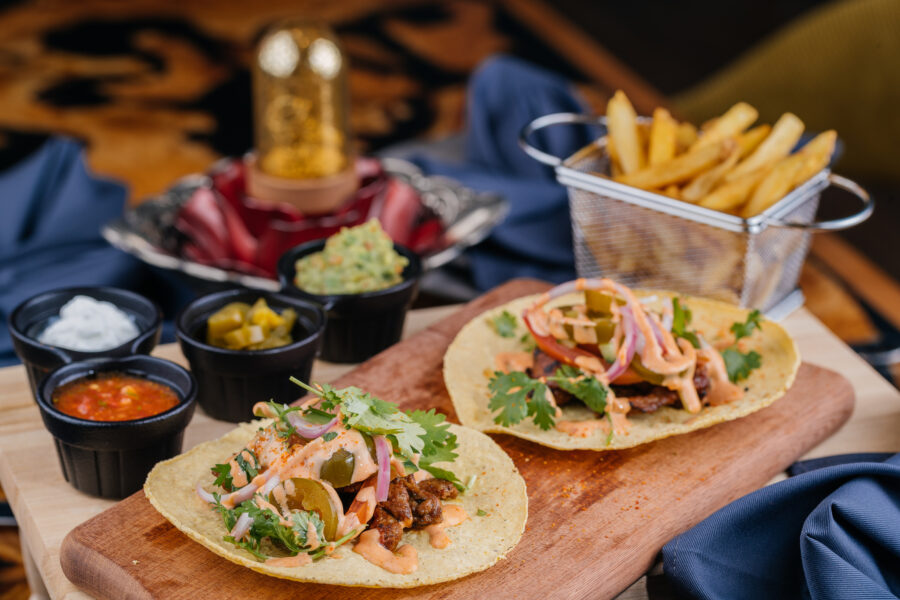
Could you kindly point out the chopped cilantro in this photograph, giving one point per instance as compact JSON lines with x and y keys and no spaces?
{"x":527,"y":341}
{"x":517,"y":396}
{"x":223,"y":471}
{"x":417,"y":434}
{"x":511,"y":393}
{"x":329,"y":436}
{"x":737,"y":363}
{"x":480,"y":513}
{"x":504,"y":324}
{"x":223,"y":476}
{"x":745,"y":329}
{"x":681,"y":318}
{"x":267,"y":524}
{"x":586,"y":388}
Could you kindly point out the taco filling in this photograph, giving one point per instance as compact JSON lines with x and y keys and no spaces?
{"x":342,"y":468}
{"x":615,"y":355}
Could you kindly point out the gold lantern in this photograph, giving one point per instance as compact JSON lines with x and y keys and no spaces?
{"x":301,"y":133}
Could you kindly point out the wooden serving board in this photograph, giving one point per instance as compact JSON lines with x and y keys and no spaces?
{"x":596,"y":519}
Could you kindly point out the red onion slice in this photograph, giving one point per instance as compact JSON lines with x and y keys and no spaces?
{"x":242,"y":526}
{"x":270,"y":485}
{"x":630,"y":329}
{"x":306,"y":429}
{"x":383,"y":456}
{"x":657,"y":331}
{"x":204,"y":495}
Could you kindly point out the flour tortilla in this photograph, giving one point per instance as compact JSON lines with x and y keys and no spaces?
{"x":477,"y":543}
{"x":469,"y":363}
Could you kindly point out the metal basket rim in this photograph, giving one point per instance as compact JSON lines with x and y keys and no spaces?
{"x":568,"y":175}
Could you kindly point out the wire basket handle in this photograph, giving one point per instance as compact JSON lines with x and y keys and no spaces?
{"x":564,"y":118}
{"x":848,"y":185}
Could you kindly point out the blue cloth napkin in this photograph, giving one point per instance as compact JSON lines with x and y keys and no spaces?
{"x":830,"y":532}
{"x":535,"y":240}
{"x":52,"y":210}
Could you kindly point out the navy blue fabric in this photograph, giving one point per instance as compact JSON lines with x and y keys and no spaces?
{"x":829,"y":533}
{"x":805,"y":466}
{"x":51,"y":211}
{"x":536,"y":238}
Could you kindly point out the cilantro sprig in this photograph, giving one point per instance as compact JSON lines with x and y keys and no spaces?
{"x":515,"y":395}
{"x":740,"y":364}
{"x":504,"y":324}
{"x":415,"y":436}
{"x":681,"y":318}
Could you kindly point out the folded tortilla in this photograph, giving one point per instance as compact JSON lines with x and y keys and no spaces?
{"x":476,"y":543}
{"x":469,"y":364}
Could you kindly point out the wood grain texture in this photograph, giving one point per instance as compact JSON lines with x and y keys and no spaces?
{"x":598,"y":518}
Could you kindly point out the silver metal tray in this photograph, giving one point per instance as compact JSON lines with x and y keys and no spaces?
{"x":143,"y":231}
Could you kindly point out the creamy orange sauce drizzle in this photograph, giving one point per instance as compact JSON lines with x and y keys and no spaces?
{"x":513,"y":361}
{"x":721,"y":390}
{"x":312,"y":536}
{"x":363,"y":506}
{"x":238,"y":477}
{"x":554,"y":324}
{"x":290,"y":561}
{"x":306,"y":461}
{"x":403,"y":562}
{"x":453,"y":515}
{"x":591,"y":364}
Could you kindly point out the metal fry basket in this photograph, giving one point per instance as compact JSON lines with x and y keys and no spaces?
{"x":648,"y":240}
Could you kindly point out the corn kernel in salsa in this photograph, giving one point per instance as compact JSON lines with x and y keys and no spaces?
{"x":114,"y":397}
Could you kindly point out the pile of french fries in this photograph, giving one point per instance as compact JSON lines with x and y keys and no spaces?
{"x":727,"y":165}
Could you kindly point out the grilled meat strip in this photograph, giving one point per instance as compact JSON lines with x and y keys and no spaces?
{"x":544,"y":365}
{"x":410,"y":505}
{"x":644,"y":397}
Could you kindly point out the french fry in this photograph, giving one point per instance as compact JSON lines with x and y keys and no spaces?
{"x":752,"y":138}
{"x":672,"y":192}
{"x":785,"y":133}
{"x":704,"y":183}
{"x":818,"y":153}
{"x":680,"y":168}
{"x":774,"y":185}
{"x":662,"y":137}
{"x":732,"y":194}
{"x":735,"y":120}
{"x":791,"y":172}
{"x":623,"y":129}
{"x":615,"y":167}
{"x":685,"y":137}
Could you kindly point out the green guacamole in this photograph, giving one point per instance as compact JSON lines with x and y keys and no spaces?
{"x":354,"y":260}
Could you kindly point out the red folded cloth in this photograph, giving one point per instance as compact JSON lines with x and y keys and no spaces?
{"x":223,"y":227}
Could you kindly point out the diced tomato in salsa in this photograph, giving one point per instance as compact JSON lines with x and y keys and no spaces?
{"x":114,"y":397}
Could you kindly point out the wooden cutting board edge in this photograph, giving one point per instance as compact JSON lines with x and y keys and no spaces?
{"x":88,"y":567}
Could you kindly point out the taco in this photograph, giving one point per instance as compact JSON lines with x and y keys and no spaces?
{"x":347,"y":489}
{"x":593,"y":365}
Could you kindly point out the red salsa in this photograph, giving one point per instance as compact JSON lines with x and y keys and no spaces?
{"x":114,"y":397}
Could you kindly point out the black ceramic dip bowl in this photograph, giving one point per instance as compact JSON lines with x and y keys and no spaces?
{"x":232,"y":381}
{"x":111,"y":459}
{"x":30,"y":318}
{"x":359,"y":325}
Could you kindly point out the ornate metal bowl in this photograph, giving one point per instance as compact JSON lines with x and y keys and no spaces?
{"x":147,"y":231}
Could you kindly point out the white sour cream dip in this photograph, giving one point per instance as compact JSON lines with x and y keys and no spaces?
{"x":89,"y":325}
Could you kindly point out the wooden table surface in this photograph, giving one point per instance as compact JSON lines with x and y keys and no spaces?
{"x":48,"y":508}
